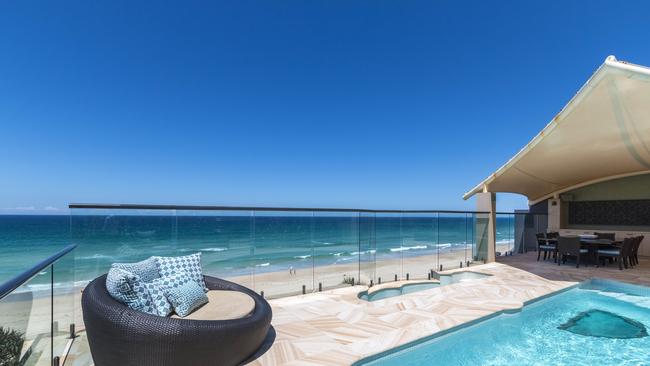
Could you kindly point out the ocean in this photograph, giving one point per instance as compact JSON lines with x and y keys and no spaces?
{"x":231,"y":244}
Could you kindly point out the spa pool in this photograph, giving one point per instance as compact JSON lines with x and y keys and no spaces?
{"x":397,"y":291}
{"x":408,"y":288}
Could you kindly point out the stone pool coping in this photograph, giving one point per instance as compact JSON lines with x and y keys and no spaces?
{"x":337,"y":328}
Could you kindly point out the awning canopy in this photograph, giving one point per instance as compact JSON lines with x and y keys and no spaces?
{"x":602,"y":133}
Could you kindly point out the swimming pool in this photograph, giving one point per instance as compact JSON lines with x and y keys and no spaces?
{"x":581,"y":326}
{"x":397,"y":291}
{"x":408,"y":288}
{"x":464,"y":276}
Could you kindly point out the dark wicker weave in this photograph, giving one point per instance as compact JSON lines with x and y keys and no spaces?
{"x":121,"y":336}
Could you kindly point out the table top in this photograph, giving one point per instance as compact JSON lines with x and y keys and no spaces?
{"x":585,"y":241}
{"x":547,"y":239}
{"x":588,"y":236}
{"x":598,"y":241}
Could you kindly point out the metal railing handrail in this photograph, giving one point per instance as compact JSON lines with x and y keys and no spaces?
{"x":256,"y":208}
{"x":17,"y":281}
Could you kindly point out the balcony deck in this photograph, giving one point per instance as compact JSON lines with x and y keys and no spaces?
{"x":336,"y":328}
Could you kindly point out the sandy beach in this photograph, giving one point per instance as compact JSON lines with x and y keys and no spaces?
{"x":281,"y":283}
{"x":31,"y":314}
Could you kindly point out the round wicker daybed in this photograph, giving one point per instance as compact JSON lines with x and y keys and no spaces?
{"x":118,"y":335}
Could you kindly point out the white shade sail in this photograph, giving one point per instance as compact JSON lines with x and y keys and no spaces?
{"x":601,"y":134}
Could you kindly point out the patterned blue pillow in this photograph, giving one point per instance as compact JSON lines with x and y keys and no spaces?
{"x":190,"y":264}
{"x":155,"y":300}
{"x":186,"y":298}
{"x":147,"y":301}
{"x":147,"y":269}
{"x":120,"y":285}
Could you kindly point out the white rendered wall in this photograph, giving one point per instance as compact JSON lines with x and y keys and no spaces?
{"x":487,"y":202}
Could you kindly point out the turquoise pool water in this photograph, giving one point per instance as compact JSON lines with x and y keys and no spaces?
{"x":610,"y":320}
{"x":461,"y":277}
{"x":414,"y":287}
{"x":391,"y":292}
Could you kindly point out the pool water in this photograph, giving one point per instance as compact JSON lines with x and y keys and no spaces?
{"x":611,"y":316}
{"x":414,"y":287}
{"x":391,"y":292}
{"x":464,"y":276}
{"x":600,"y":323}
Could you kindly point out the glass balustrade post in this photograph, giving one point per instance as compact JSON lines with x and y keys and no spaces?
{"x":52,"y":321}
{"x":466,"y":241}
{"x":436,"y":267}
{"x":358,"y":241}
{"x":313,"y":254}
{"x":252,"y":259}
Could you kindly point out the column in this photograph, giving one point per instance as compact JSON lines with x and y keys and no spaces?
{"x":487,"y":202}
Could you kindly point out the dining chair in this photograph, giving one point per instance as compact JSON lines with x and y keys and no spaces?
{"x":634,"y":253}
{"x":552,"y":235}
{"x":544,"y":246}
{"x":569,"y":246}
{"x":620,"y":253}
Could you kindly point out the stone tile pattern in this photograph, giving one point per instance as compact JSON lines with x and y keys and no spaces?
{"x":337,"y":328}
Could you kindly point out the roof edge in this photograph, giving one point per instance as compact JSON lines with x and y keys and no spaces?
{"x":610,"y":63}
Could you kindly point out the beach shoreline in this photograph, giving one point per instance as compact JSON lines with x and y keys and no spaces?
{"x":277,"y":282}
{"x":281,"y":283}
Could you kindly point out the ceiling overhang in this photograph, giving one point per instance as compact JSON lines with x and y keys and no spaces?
{"x":602,"y":133}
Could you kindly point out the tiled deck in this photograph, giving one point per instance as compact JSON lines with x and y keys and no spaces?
{"x":336,"y":328}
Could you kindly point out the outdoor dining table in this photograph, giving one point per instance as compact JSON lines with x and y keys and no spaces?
{"x":589,"y":243}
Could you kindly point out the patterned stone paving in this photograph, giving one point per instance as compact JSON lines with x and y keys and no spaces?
{"x":337,"y":328}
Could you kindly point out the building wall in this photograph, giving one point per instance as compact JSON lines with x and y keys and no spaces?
{"x":620,"y":204}
{"x":630,"y":188}
{"x":539,"y":208}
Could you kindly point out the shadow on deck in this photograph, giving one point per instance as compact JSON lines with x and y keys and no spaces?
{"x":549,"y":270}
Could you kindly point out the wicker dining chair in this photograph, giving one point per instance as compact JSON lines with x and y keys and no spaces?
{"x":634,"y":254}
{"x":544,"y":246}
{"x":569,"y":246}
{"x":620,"y":253}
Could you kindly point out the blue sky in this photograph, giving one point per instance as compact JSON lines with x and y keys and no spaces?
{"x":373,"y":104}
